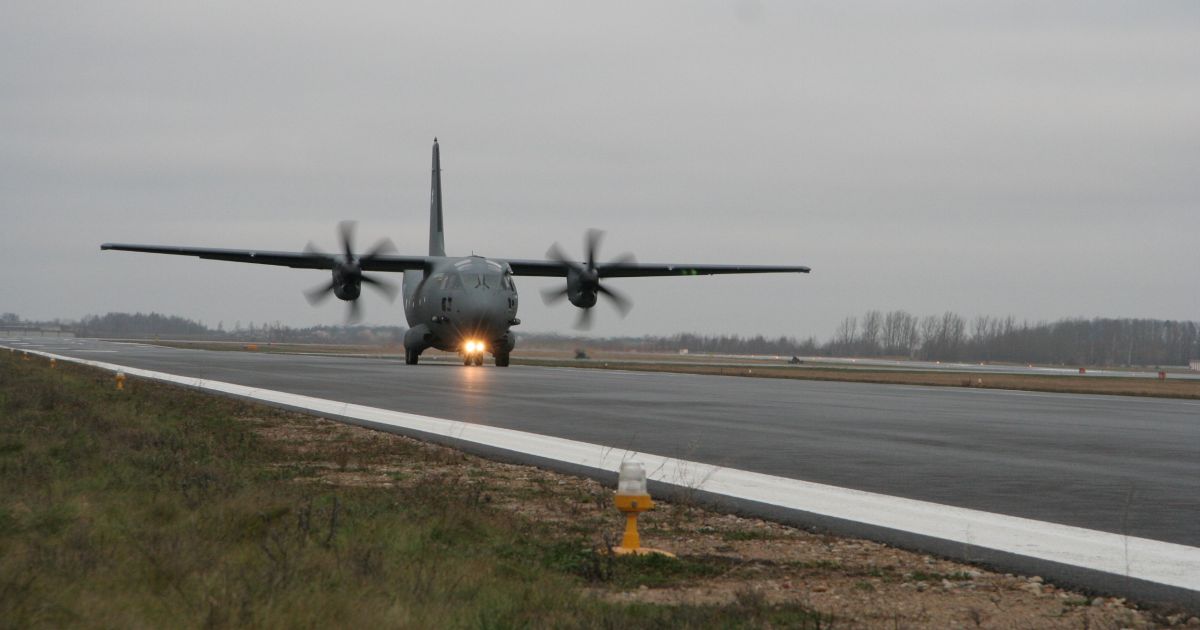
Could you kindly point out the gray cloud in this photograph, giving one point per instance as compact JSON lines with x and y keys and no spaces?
{"x":1017,"y":158}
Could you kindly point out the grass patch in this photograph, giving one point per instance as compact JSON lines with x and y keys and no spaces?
{"x":922,"y":576}
{"x":159,"y":506}
{"x":598,"y":566}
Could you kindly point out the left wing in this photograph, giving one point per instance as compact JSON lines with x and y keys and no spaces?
{"x":555,"y":269}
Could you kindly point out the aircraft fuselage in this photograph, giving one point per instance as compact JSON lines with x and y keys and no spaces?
{"x":464,"y":305}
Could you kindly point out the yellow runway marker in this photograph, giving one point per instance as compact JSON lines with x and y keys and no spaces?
{"x":633,"y":499}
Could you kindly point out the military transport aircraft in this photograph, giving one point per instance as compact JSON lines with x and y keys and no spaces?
{"x":458,"y":304}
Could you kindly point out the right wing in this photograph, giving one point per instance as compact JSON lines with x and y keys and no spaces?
{"x":296,"y":260}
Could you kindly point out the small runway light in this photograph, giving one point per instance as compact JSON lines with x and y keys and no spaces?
{"x":52,"y":363}
{"x":120,"y":381}
{"x":632,"y":499}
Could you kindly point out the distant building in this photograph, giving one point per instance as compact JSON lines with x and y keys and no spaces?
{"x":1195,"y":365}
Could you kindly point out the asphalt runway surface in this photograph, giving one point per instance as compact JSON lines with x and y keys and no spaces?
{"x":1123,"y":465}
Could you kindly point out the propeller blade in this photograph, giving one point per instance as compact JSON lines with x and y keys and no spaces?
{"x":346,"y":234}
{"x":585,"y":319}
{"x":622,"y":303}
{"x":587,"y":276}
{"x":381,"y":248}
{"x":591,"y":244}
{"x":386,"y":287}
{"x":624,"y":259}
{"x":556,"y":254}
{"x":319,"y":294}
{"x":552,"y":295}
{"x":353,"y":312}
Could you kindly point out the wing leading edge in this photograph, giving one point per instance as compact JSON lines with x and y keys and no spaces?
{"x":297,"y":260}
{"x":550,"y":268}
{"x":545,"y":268}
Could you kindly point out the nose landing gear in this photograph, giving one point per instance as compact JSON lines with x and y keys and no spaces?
{"x":472,"y":352}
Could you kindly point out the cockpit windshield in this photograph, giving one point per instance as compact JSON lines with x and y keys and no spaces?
{"x":476,"y":274}
{"x":487,"y":281}
{"x":447,"y":281}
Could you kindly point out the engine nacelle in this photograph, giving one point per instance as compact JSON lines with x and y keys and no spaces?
{"x":347,"y":281}
{"x":347,"y":290}
{"x":582,"y":287}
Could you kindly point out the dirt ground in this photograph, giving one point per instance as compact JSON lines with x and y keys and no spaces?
{"x":862,"y":584}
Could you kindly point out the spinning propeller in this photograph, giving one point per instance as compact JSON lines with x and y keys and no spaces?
{"x":348,"y":276}
{"x":583,"y":280}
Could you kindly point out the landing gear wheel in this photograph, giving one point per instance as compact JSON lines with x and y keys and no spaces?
{"x":502,"y":360}
{"x":478,"y":360}
{"x":468,"y":361}
{"x":411,"y":356}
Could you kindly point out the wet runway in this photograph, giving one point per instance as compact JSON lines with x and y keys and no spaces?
{"x":1118,"y":464}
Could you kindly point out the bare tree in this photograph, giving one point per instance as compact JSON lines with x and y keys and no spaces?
{"x":931,"y":336}
{"x":846,"y":335}
{"x":869,"y":339}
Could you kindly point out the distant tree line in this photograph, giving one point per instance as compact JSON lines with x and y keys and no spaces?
{"x":117,"y":324}
{"x":945,"y":337}
{"x":143,"y":325}
{"x":948,"y":337}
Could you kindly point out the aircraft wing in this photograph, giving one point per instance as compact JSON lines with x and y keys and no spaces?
{"x":551,"y":268}
{"x":298,"y":260}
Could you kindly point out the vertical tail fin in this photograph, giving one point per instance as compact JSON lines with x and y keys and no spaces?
{"x":437,"y":238}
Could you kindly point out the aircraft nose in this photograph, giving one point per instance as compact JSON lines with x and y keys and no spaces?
{"x":483,"y":315}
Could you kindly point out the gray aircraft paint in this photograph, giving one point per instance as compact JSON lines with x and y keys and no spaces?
{"x":437,"y":230}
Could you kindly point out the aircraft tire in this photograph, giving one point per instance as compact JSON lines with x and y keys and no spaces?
{"x":502,"y":360}
{"x":478,"y":360}
{"x":411,"y":357}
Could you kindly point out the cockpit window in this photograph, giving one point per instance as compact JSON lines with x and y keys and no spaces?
{"x":447,"y":281}
{"x":487,"y":280}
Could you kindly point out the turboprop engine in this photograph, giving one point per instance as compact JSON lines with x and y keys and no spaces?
{"x":583,"y":280}
{"x":348,"y":276}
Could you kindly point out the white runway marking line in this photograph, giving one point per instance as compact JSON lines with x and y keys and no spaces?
{"x":1140,"y":558}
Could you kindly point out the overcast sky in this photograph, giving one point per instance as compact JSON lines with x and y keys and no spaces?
{"x":1034,"y":159}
